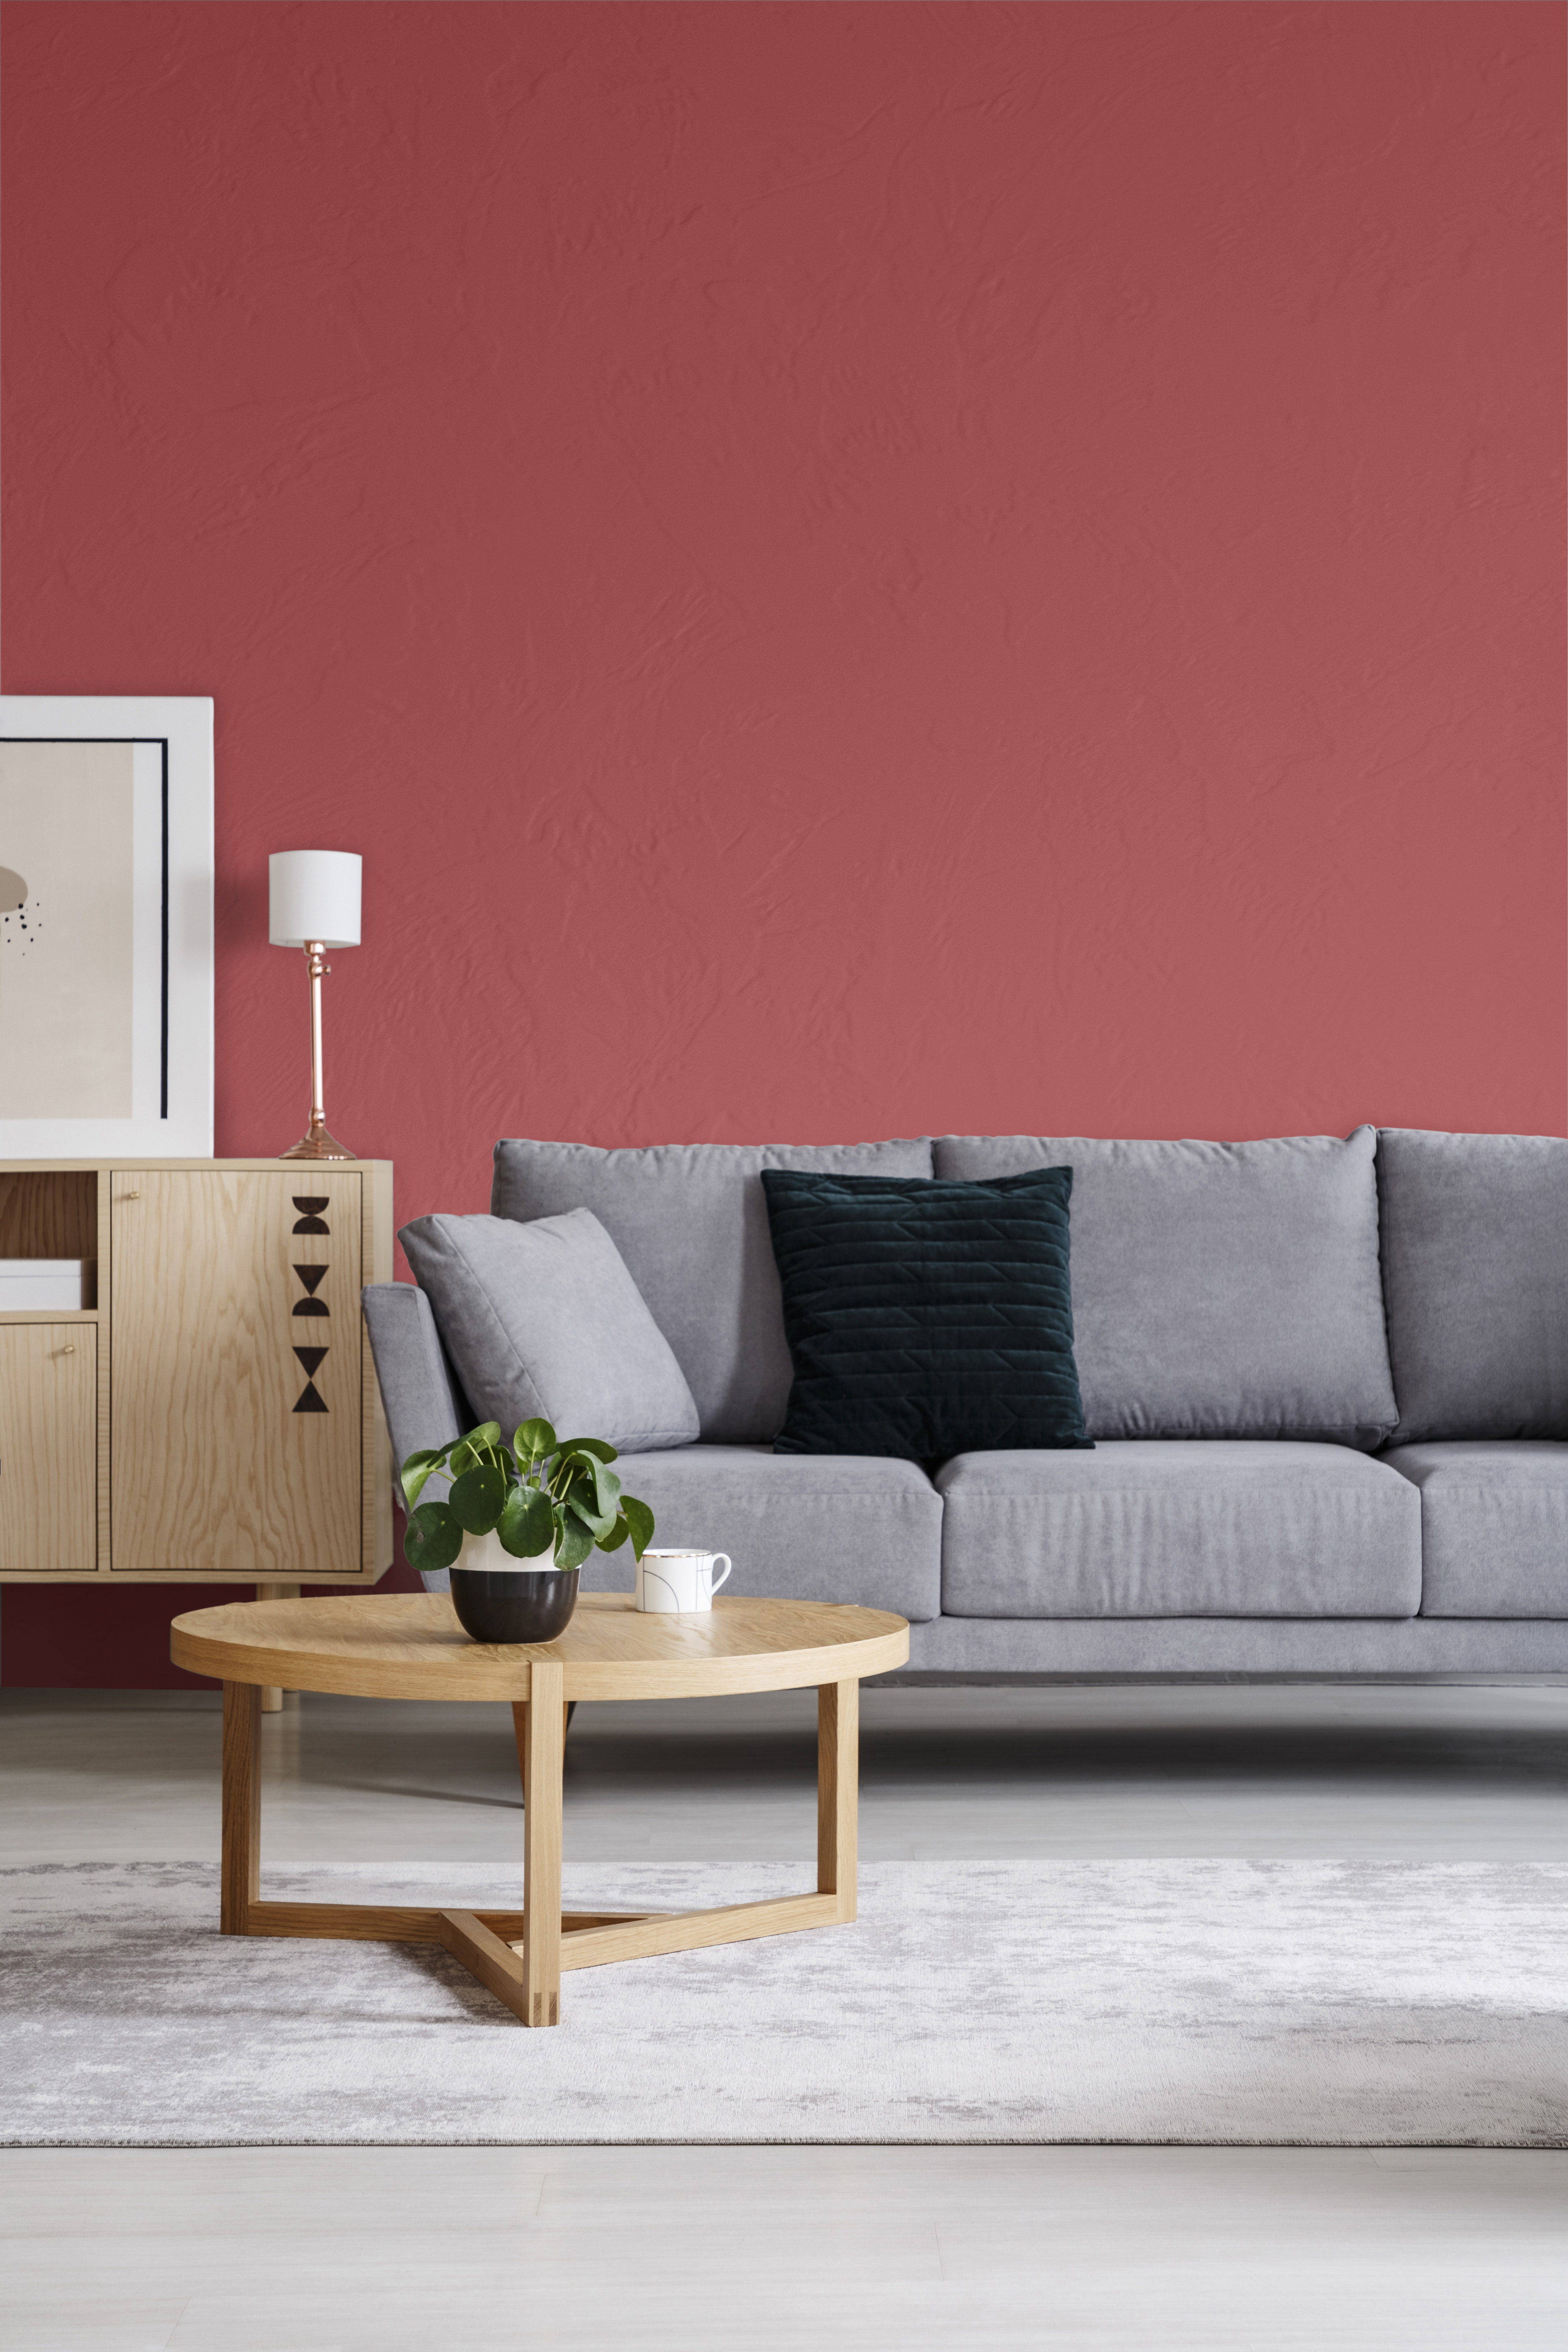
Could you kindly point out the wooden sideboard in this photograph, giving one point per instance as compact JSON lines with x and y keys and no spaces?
{"x":212,"y":1412}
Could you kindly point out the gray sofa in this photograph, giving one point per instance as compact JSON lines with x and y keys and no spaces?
{"x":1327,"y":1380}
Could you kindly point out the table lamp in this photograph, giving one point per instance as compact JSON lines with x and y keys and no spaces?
{"x":314,"y":904}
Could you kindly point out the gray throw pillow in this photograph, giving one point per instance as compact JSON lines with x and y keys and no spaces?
{"x":542,"y":1320}
{"x":1218,"y":1289}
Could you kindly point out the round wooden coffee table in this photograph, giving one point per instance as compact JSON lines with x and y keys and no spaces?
{"x":409,"y":1645}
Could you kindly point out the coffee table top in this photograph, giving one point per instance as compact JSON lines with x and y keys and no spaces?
{"x":409,"y":1645}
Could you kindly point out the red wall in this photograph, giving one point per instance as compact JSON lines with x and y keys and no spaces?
{"x":851,"y":570}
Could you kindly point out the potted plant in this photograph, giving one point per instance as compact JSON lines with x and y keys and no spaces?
{"x":517,"y":1524}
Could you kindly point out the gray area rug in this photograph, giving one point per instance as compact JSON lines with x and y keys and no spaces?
{"x":1327,"y":2004}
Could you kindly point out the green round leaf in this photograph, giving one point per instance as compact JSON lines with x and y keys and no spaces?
{"x":607,"y":1487}
{"x":640,"y":1520}
{"x":476,"y":1499}
{"x":572,"y":1544}
{"x":417,"y":1469}
{"x":433,"y":1539}
{"x":472,"y":1452}
{"x":534,"y":1441}
{"x":528,"y":1523}
{"x":581,"y":1506}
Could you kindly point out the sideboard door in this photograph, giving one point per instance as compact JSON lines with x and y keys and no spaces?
{"x":48,"y":1447}
{"x":236,"y":1336}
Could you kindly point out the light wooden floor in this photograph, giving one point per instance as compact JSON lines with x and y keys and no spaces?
{"x":322,"y":2250}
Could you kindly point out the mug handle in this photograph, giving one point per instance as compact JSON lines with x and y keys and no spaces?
{"x":717,"y":1580}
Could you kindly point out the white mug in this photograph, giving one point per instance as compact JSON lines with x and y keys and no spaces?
{"x":679,"y":1582}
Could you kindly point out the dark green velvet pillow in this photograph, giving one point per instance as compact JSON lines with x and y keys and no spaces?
{"x":926,"y":1316}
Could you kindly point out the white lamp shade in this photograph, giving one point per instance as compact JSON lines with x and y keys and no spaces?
{"x":314,"y":894}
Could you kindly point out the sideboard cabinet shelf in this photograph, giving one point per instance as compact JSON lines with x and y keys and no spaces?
{"x":213,"y":1413}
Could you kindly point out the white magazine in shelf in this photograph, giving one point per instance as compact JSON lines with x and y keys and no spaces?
{"x":54,"y":1283}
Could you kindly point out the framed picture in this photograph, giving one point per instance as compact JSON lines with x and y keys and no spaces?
{"x":106,"y":926}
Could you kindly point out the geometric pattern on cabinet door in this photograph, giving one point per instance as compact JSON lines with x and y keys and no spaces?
{"x":49,"y":1445}
{"x":218,"y":1463}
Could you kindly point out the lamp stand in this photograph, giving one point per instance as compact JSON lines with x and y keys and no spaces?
{"x":316,"y":1143}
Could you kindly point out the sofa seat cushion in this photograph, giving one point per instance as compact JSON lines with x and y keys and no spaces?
{"x":1475,"y":1267}
{"x":1494,"y":1527}
{"x":690,"y":1222}
{"x":1159,"y":1527}
{"x":833,"y":1527}
{"x":1218,"y":1289}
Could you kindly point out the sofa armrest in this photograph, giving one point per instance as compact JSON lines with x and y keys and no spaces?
{"x":422,"y":1403}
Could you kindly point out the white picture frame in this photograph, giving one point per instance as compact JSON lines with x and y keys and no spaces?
{"x":169,"y":1062}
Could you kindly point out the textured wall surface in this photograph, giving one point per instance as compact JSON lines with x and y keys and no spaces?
{"x":851,"y":570}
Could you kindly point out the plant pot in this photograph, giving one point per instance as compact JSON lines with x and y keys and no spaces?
{"x":499,"y":1598}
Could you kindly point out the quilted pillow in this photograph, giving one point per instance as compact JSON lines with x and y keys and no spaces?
{"x":925,"y":1318}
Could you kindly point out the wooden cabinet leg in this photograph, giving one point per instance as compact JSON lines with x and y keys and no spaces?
{"x":271,"y":1697}
{"x":241,"y":1868}
{"x":838,"y":1790}
{"x":541,"y":1745}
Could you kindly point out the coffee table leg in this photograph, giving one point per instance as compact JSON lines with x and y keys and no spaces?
{"x":838,"y":1790}
{"x":241,"y":1870}
{"x":541,"y":1737}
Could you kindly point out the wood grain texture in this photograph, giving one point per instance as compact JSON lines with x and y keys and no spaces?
{"x":379,"y":1538}
{"x":520,"y":1956}
{"x":409,"y":1645}
{"x":213,"y":1468}
{"x":104,"y":1498}
{"x":692,"y":1931}
{"x":585,"y":1939}
{"x":48,"y":1447}
{"x":50,"y":1213}
{"x":398,"y":1923}
{"x":240,"y":1869}
{"x":540,"y":1727}
{"x":272,"y":1693}
{"x":497,"y":1966}
{"x":354,"y":1922}
{"x":838,"y":1785}
{"x":31,"y":1196}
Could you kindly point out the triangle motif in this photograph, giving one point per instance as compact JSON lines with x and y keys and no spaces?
{"x":311,"y":1360}
{"x":313,"y":1400}
{"x":311,"y":1276}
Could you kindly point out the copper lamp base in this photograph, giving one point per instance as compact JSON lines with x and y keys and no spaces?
{"x":315,"y":1144}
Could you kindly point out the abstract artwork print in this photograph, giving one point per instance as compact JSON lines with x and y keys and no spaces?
{"x":82,"y":930}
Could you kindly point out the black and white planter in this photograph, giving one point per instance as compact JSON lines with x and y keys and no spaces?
{"x":499,"y":1598}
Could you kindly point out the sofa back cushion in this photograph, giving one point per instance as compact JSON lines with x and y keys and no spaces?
{"x":1218,"y":1289}
{"x":1475,"y":1268}
{"x":691,"y":1223}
